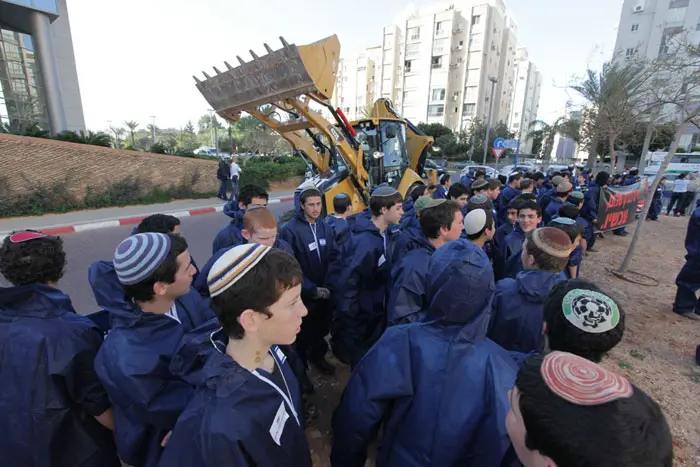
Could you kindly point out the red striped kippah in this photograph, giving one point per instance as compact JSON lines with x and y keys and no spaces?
{"x":581,"y":381}
{"x":25,"y":236}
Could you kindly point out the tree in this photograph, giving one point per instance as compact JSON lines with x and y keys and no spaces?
{"x":132,"y":126}
{"x":189,"y":128}
{"x":617,"y":97}
{"x":477,"y":133}
{"x":118,"y":132}
{"x":569,"y":128}
{"x":435,"y":130}
{"x":675,"y":89}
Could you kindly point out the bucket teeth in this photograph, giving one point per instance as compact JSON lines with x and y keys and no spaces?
{"x":240,"y":60}
{"x":255,"y":57}
{"x":267,"y":47}
{"x":228,"y":65}
{"x":217,"y":71}
{"x":284,"y":43}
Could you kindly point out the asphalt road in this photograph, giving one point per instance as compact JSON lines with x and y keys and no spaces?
{"x":84,"y":248}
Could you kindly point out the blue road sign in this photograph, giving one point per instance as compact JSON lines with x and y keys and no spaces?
{"x":499,"y":143}
{"x":510,"y":144}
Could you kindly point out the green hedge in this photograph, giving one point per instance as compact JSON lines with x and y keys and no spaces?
{"x":263,"y":170}
{"x":129,"y":191}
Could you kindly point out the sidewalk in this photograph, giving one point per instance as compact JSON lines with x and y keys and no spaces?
{"x":79,"y":221}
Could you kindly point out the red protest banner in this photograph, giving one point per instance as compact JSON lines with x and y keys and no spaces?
{"x":619,"y":205}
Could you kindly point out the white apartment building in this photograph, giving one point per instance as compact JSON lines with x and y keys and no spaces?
{"x":644,"y":29}
{"x":436,"y":64}
{"x":526,"y":99}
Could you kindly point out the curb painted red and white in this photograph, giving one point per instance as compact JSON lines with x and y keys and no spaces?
{"x":103,"y":224}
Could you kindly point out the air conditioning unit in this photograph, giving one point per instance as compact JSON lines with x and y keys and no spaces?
{"x":458,"y":30}
{"x":453,"y":66}
{"x":639,"y":8}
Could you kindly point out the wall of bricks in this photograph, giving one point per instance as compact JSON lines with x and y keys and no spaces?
{"x":27,"y":162}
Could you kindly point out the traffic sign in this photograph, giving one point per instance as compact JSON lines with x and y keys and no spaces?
{"x":499,"y":143}
{"x":511,"y":144}
{"x":498,"y":152}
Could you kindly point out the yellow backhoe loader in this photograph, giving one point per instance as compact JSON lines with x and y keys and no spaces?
{"x":279,"y":89}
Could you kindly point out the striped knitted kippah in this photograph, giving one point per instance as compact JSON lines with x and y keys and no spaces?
{"x":139,"y":256}
{"x":233,"y":265}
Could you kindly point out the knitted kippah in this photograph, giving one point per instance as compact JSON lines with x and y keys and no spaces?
{"x":475,"y":221}
{"x":421,"y":203}
{"x":479,"y":184}
{"x":564,"y":220}
{"x":577,"y":195}
{"x":233,"y":265}
{"x":564,"y":187}
{"x":557,"y":179}
{"x":553,"y":241}
{"x":139,"y":256}
{"x":384,"y":191}
{"x":479,"y":201}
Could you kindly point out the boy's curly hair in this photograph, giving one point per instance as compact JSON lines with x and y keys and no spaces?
{"x":41,"y":260}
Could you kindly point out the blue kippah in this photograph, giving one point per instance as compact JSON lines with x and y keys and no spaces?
{"x":139,"y":256}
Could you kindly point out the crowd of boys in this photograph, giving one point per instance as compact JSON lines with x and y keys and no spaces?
{"x":472,"y":341}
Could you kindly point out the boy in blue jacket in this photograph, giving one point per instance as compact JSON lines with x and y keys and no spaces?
{"x":688,"y":279}
{"x":361,"y":315}
{"x":562,"y":194}
{"x":152,"y":271}
{"x":442,"y":187}
{"x":312,"y":243}
{"x":53,"y":409}
{"x":437,"y":389}
{"x":574,"y":230}
{"x":529,"y":217}
{"x":246,"y":410}
{"x":516,"y":321}
{"x":249,"y":196}
{"x":441,"y":222}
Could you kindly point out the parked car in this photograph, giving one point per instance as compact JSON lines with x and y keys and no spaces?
{"x":509,"y":169}
{"x":431,"y":164}
{"x":471,"y":170}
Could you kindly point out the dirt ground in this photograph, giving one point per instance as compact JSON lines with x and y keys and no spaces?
{"x":657,"y":352}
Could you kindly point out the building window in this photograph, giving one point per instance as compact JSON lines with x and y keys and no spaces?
{"x":679,"y":3}
{"x":476,"y":41}
{"x":469,"y":110}
{"x":666,"y":37}
{"x":413,"y":34}
{"x":438,"y":94}
{"x":470,"y":94}
{"x":436,"y":62}
{"x":437,"y":110}
{"x":697,"y":28}
{"x":361,"y":68}
{"x":439,"y":46}
{"x":635,"y":27}
{"x":438,"y":27}
{"x":476,"y":19}
{"x":412,"y":50}
{"x":629,"y":53}
{"x":407,"y":66}
{"x":516,"y":125}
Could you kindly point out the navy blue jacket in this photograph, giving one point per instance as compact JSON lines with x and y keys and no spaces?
{"x":499,"y":242}
{"x":312,"y":245}
{"x":235,"y":417}
{"x":575,"y":259}
{"x":552,"y":210}
{"x":133,"y":366}
{"x":507,"y":195}
{"x":630,"y":180}
{"x":440,"y":192}
{"x":231,"y":234}
{"x":407,"y":298}
{"x":516,"y":323}
{"x":546,"y":196}
{"x":692,"y":238}
{"x":591,"y":198}
{"x":361,"y":316}
{"x":200,"y":282}
{"x":440,"y":388}
{"x":342,"y":240}
{"x":50,"y":392}
{"x":511,"y":251}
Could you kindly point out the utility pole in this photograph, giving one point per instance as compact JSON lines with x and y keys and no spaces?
{"x":214,"y":123}
{"x":488,"y":122}
{"x":153,"y":128}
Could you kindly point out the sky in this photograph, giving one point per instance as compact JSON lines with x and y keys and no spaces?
{"x":136,"y":58}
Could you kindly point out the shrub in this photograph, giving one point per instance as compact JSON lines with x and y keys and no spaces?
{"x":157,"y":148}
{"x":94,"y":139}
{"x":57,"y":197}
{"x":263,"y":170}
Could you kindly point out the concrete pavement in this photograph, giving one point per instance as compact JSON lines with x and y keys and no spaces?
{"x":85,"y":247}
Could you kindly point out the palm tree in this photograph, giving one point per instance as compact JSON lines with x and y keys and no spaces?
{"x":118,"y":132}
{"x":132,"y":126}
{"x":616,"y":96}
{"x":569,"y":128}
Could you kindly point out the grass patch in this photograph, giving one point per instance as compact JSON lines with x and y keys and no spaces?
{"x":625,"y":365}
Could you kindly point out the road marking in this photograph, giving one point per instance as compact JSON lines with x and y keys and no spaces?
{"x":96,"y":225}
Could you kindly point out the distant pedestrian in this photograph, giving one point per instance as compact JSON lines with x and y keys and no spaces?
{"x":223,"y":173}
{"x":235,"y":173}
{"x":680,"y":188}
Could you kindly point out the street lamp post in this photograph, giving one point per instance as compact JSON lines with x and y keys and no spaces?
{"x":488,"y":122}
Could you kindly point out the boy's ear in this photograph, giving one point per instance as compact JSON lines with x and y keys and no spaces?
{"x":245,"y":234}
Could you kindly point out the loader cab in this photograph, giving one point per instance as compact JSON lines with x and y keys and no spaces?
{"x":383,"y":143}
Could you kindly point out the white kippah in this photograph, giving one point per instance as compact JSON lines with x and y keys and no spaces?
{"x":475,"y":221}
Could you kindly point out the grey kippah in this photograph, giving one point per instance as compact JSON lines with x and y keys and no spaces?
{"x":577,"y":195}
{"x":475,"y":221}
{"x":564,"y":220}
{"x":384,"y":191}
{"x":139,"y":256}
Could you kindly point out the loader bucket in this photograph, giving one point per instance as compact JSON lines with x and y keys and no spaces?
{"x":281,"y":74}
